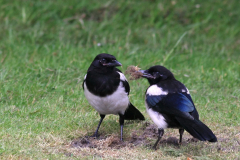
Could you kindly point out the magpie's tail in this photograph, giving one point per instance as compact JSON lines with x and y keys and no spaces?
{"x":132,"y":113}
{"x":198,"y":130}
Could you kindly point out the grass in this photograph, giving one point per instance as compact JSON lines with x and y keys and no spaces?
{"x":46,"y":48}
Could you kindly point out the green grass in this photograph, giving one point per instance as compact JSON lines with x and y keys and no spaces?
{"x":46,"y":48}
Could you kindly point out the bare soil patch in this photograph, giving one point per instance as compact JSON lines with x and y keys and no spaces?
{"x":146,"y":137}
{"x":139,"y":142}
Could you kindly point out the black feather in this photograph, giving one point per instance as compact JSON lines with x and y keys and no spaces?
{"x":132,"y":113}
{"x":104,"y":85}
{"x":197,"y":129}
{"x":175,"y":104}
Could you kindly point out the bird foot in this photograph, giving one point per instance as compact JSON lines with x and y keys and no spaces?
{"x":95,"y":135}
{"x":154,"y":147}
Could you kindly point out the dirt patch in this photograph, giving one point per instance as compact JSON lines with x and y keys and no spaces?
{"x":137,"y":143}
{"x":146,"y":137}
{"x":101,"y":142}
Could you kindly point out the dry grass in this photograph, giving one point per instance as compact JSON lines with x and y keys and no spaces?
{"x":137,"y":146}
{"x":133,"y":72}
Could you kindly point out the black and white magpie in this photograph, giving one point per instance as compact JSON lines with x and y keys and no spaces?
{"x":169,"y":104}
{"x":107,"y":89}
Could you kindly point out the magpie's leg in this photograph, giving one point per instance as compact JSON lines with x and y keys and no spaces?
{"x":160,"y":134}
{"x":121,"y":121}
{"x":181,"y":134}
{"x":96,"y":132}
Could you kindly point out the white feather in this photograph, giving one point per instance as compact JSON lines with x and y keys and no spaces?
{"x":154,"y":90}
{"x":112,"y":104}
{"x":122,"y":77}
{"x":157,"y":118}
{"x":186,"y":90}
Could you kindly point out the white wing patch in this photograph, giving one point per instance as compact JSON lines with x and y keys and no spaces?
{"x":186,"y":90}
{"x":122,"y":77}
{"x":154,"y":90}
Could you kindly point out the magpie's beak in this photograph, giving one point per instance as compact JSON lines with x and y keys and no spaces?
{"x":146,"y":74}
{"x":113,"y":64}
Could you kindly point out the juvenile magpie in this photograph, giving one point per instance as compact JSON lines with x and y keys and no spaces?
{"x":169,"y":104}
{"x":107,"y":90}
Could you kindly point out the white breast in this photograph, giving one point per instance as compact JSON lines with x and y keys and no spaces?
{"x":112,"y":104}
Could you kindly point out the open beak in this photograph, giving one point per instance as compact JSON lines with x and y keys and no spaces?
{"x":146,"y":74}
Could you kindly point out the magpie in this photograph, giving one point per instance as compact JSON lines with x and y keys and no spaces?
{"x":169,"y":105}
{"x":106,"y":89}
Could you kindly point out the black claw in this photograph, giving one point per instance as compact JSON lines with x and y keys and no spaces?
{"x":160,"y":134}
{"x":95,"y":135}
{"x":154,"y":148}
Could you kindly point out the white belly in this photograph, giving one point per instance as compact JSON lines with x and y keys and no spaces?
{"x":111,"y":104}
{"x":157,"y":118}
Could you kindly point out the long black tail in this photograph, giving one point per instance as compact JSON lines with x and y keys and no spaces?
{"x":132,"y":113}
{"x":198,"y":130}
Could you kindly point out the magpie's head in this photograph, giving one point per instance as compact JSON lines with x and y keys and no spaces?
{"x":156,"y":74}
{"x":105,"y":60}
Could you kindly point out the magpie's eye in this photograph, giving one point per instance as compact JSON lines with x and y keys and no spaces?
{"x":103,"y":60}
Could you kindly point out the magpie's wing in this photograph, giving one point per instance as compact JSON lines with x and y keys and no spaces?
{"x":126,"y":85}
{"x":194,"y":113}
{"x":124,"y":81}
{"x":176,"y":104}
{"x":181,"y":108}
